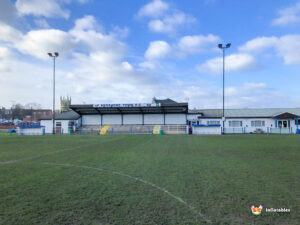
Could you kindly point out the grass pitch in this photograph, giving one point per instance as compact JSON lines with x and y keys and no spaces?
{"x":148,"y":179}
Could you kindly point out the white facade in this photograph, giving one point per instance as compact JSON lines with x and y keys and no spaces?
{"x":206,"y":130}
{"x":111,"y":119}
{"x":91,"y":120}
{"x":132,"y":119}
{"x":48,"y":126}
{"x":175,"y":119}
{"x":30,"y":131}
{"x":154,"y":119}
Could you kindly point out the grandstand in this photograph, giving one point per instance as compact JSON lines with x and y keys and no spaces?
{"x":161,"y":116}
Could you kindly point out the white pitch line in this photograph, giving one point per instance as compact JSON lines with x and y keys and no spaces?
{"x":48,"y":153}
{"x":41,"y":155}
{"x":192,"y":208}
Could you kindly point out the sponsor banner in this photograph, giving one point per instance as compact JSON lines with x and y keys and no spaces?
{"x":124,"y":105}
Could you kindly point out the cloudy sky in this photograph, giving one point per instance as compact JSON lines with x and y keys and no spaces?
{"x":129,"y":51}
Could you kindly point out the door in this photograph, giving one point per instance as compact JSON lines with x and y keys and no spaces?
{"x":283,"y":123}
{"x":58,"y":128}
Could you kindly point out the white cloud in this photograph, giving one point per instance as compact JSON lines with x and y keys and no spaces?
{"x":39,"y":42}
{"x":170,"y":23}
{"x":157,"y":49}
{"x":186,"y":45}
{"x":259,"y":44}
{"x":70,"y":75}
{"x":45,"y":8}
{"x":289,"y":48}
{"x":289,"y":15}
{"x":48,"y":8}
{"x":91,"y":35}
{"x":153,"y":9}
{"x":5,"y":56}
{"x":147,"y":65}
{"x":286,"y":47}
{"x":9,"y":34}
{"x":127,"y":66}
{"x":96,"y":71}
{"x":87,"y":34}
{"x":197,"y":43}
{"x":120,"y":32}
{"x":249,"y":95}
{"x":5,"y":53}
{"x":233,"y":63}
{"x":245,"y":95}
{"x":85,"y":23}
{"x":165,"y":19}
{"x":42,"y":23}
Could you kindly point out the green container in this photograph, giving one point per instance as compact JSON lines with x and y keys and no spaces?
{"x":161,"y":132}
{"x":70,"y":131}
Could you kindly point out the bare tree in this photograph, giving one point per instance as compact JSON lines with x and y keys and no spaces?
{"x":32,"y":105}
{"x":17,"y":111}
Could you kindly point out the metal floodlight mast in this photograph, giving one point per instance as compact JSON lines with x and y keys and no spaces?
{"x":54,"y":56}
{"x":223,"y":114}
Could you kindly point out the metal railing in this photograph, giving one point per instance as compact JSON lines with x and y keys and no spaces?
{"x":131,"y":129}
{"x":233,"y":130}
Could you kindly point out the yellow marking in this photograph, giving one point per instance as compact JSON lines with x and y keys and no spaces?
{"x":104,"y":130}
{"x":156,"y":129}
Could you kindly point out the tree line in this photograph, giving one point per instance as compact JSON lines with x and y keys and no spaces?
{"x":18,"y":111}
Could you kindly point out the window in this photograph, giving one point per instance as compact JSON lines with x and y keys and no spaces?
{"x":257,"y":123}
{"x":296,"y":121}
{"x":213,"y":122}
{"x":58,"y":124}
{"x":235,"y":123}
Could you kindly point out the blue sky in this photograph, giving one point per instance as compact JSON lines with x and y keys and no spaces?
{"x":129,"y":51}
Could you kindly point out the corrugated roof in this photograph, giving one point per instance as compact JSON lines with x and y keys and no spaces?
{"x":69,"y":115}
{"x":261,"y":112}
{"x":164,"y":108}
{"x":164,"y":101}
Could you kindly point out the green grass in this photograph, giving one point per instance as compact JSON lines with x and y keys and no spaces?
{"x":6,"y":133}
{"x":220,"y":176}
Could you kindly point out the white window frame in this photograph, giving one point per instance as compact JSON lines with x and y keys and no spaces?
{"x":213,"y":122}
{"x":233,"y":123}
{"x":258,"y":123}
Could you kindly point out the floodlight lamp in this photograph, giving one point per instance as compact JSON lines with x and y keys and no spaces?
{"x":228,"y":45}
{"x":56,"y":54}
{"x":220,"y":45}
{"x":50,"y":54}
